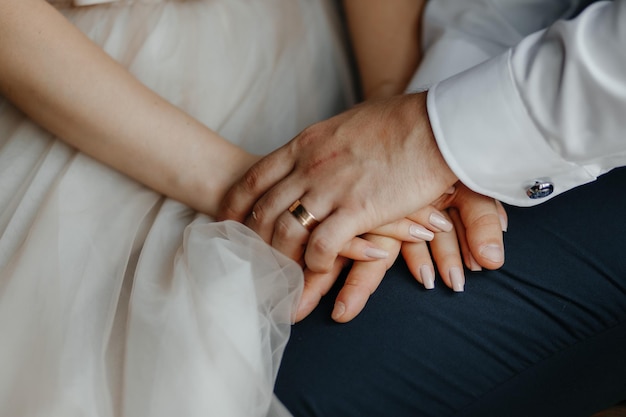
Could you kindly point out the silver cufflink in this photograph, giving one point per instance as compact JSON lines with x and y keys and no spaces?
{"x":540,"y":189}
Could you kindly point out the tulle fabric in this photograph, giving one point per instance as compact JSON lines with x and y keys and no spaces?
{"x":117,"y":302}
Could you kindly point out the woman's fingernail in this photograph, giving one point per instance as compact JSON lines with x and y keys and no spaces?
{"x":428,"y":276}
{"x":450,"y":190}
{"x":376,"y":253}
{"x":494,"y":253}
{"x":440,"y":222}
{"x":420,"y":232}
{"x":504,"y":223}
{"x":338,"y":310}
{"x":457,"y":278}
{"x":474,"y":265}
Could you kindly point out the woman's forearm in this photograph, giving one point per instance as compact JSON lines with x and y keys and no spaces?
{"x":385,"y":37}
{"x":68,"y":85}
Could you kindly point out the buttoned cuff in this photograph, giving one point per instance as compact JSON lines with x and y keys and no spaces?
{"x":490,"y":141}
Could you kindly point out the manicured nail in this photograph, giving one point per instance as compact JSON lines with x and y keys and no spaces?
{"x":474,"y":265}
{"x":440,"y":222}
{"x":338,"y":310}
{"x":450,"y":190}
{"x":420,"y":232}
{"x":457,"y":279}
{"x":504,"y":223}
{"x":494,"y":253}
{"x":376,"y":253}
{"x":428,"y":276}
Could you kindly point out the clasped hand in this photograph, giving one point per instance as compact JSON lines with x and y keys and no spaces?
{"x":358,"y":173}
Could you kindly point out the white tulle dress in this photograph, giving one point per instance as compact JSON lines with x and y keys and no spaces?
{"x":115,"y":301}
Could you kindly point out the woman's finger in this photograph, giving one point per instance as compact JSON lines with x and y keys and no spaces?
{"x":418,"y":226}
{"x":317,"y":285}
{"x":404,"y":230}
{"x":432,"y":218}
{"x":420,"y":263}
{"x":459,"y":227}
{"x":362,"y":280}
{"x":286,"y":203}
{"x":447,"y":256}
{"x":360,"y":249}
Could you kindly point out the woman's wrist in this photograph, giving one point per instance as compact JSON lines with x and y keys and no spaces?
{"x":423,"y":138}
{"x":203,"y":183}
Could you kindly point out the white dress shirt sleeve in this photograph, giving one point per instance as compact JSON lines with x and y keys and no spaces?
{"x":552,"y":109}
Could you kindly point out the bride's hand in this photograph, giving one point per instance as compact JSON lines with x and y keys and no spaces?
{"x":372,"y":255}
{"x":475,"y":240}
{"x":362,"y":280}
{"x":421,"y":227}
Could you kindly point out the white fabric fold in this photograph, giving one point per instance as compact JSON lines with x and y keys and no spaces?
{"x":548,"y":106}
{"x":118,"y":302}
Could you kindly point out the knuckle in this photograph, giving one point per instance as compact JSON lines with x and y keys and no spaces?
{"x":259,"y":214}
{"x":307,"y":137}
{"x":484,"y":229}
{"x":320,"y":255}
{"x":360,"y":285}
{"x":322,"y":245}
{"x":486,"y":220}
{"x":251,"y":180}
{"x":283,"y":230}
{"x":262,"y":209}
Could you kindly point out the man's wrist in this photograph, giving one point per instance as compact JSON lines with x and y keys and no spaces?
{"x":443,"y":175}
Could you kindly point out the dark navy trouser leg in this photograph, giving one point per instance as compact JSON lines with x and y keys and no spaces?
{"x":543,"y":336}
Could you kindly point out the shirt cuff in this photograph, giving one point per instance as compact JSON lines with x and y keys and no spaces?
{"x":489,"y":139}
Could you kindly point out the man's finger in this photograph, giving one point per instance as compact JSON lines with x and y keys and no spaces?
{"x":238,"y":202}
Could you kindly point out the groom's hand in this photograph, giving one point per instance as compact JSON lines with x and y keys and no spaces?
{"x":357,"y":171}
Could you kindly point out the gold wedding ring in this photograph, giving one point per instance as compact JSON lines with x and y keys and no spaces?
{"x":304,"y":217}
